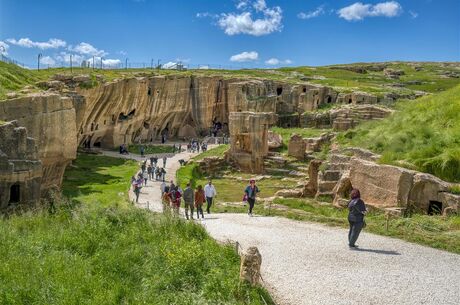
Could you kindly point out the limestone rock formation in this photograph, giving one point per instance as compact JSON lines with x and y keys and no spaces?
{"x":344,"y":118}
{"x":297,"y":147}
{"x":251,"y":261}
{"x":50,"y":119}
{"x":274,"y":140}
{"x":381,"y":186}
{"x":20,"y":168}
{"x":356,"y":98}
{"x":249,"y":145}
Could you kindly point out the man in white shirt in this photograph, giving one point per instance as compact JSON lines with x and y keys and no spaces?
{"x":210,"y":193}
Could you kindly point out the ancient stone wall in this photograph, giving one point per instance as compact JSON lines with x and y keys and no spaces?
{"x":20,"y":168}
{"x":249,"y":142}
{"x":49,"y":119}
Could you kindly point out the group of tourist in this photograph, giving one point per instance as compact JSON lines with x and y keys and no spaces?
{"x":173,"y":195}
{"x":195,"y":146}
{"x":151,"y":171}
{"x":194,"y":199}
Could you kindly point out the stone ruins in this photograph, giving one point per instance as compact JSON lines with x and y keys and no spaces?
{"x":75,"y":112}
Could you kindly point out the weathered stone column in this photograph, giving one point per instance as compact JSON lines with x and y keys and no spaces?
{"x":251,"y":261}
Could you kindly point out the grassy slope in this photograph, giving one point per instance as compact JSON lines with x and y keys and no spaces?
{"x":423,"y":135}
{"x":13,"y":78}
{"x":108,"y":252}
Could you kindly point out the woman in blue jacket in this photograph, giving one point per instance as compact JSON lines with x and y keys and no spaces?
{"x":250,"y":193}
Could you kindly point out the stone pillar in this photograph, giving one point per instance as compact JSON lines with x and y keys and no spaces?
{"x":312,"y":186}
{"x":251,"y":261}
{"x":297,"y":147}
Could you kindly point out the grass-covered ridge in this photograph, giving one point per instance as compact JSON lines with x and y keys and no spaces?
{"x":100,"y":249}
{"x":424,"y":76}
{"x":423,"y":134}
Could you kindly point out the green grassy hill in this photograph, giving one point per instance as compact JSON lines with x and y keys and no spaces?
{"x":423,"y":134}
{"x":423,"y":76}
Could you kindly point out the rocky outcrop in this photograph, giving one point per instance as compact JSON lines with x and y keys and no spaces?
{"x":381,"y":186}
{"x":49,"y":119}
{"x":356,"y":98}
{"x":249,"y":145}
{"x":274,"y":140}
{"x":20,"y":168}
{"x":297,"y":147}
{"x":344,"y":118}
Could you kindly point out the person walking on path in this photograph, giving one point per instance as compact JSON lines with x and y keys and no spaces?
{"x":142,"y":149}
{"x":164,"y":161}
{"x":356,"y":212}
{"x":137,"y":185}
{"x":145,"y":175}
{"x":189,"y":198}
{"x":250,"y":194}
{"x":162,"y":188}
{"x":175,"y":200}
{"x":150,"y":171}
{"x":166,"y":200}
{"x":199,"y":201}
{"x":210,"y":193}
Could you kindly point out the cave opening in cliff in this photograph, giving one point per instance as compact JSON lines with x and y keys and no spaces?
{"x":149,"y":91}
{"x":97,"y":144}
{"x":434,"y":207}
{"x":329,"y":99}
{"x":304,"y":89}
{"x":279,"y":91}
{"x":15,"y":193}
{"x":349,"y":101}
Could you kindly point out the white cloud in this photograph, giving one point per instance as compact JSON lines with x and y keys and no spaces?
{"x":52,"y":43}
{"x":359,"y":11}
{"x":4,"y":48}
{"x":111,"y":62}
{"x":276,"y":61}
{"x":243,"y":23}
{"x":169,"y":65}
{"x":46,"y":60}
{"x":64,"y":57}
{"x":205,"y":67}
{"x":413,"y":14}
{"x":243,"y":4}
{"x":206,"y":14}
{"x":122,"y":53}
{"x":245,"y":56}
{"x":87,"y":49}
{"x":312,"y":14}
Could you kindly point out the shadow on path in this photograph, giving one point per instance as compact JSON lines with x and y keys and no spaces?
{"x":386,"y":252}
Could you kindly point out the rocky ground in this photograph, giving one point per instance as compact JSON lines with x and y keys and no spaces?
{"x":306,"y":263}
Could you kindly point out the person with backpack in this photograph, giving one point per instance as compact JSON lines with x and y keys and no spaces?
{"x":250,"y":195}
{"x":356,"y":211}
{"x":210,"y":193}
{"x":137,"y":185}
{"x":200,"y":199}
{"x":166,"y":199}
{"x":164,"y":161}
{"x":189,"y":198}
{"x":175,"y":200}
{"x":150,"y":171}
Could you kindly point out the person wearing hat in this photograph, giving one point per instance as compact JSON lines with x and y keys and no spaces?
{"x":251,"y":192}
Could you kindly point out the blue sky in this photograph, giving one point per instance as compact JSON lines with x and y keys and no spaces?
{"x":230,"y":33}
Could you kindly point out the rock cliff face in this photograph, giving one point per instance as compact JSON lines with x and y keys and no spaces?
{"x":67,"y":116}
{"x":50,"y":120}
{"x":145,"y":108}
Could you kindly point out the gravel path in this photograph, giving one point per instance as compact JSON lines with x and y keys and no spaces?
{"x":308,"y":263}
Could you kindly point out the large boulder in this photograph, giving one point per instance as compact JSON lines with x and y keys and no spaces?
{"x":274,"y":140}
{"x":381,"y":185}
{"x":297,"y":147}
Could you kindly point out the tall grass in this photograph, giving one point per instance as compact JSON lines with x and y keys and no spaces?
{"x":116,"y":256}
{"x":423,"y":134}
{"x":105,"y":251}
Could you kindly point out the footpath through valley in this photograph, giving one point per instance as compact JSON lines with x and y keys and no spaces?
{"x":309,"y":263}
